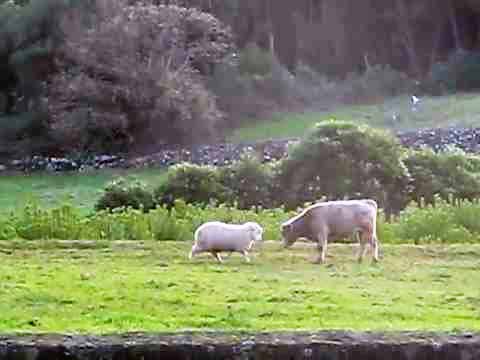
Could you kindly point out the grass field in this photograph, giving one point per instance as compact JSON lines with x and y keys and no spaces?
{"x":51,"y":189}
{"x":460,"y":109}
{"x":154,"y":287}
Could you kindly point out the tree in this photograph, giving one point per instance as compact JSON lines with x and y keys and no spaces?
{"x":135,"y":76}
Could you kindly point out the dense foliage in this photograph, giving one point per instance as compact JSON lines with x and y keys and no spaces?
{"x":137,"y":80}
{"x":343,"y":160}
{"x":250,"y":183}
{"x":459,"y":72}
{"x":337,"y":160}
{"x":452,"y":174}
{"x":444,"y":223}
{"x":193,"y":183}
{"x":122,"y":193}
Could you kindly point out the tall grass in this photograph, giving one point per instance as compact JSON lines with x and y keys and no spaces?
{"x":443,"y":223}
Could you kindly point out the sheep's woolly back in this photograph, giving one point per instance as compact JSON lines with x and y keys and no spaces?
{"x":220,"y":235}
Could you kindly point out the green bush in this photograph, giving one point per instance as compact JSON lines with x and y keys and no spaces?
{"x":448,"y":174}
{"x":444,"y":222}
{"x":121,"y":193}
{"x":254,"y":86}
{"x":344,"y":160}
{"x":192,"y":183}
{"x":33,"y":223}
{"x":378,"y":81}
{"x":255,"y":61}
{"x":461,"y":71}
{"x":249,"y":182}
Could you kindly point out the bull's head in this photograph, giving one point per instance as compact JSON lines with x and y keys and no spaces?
{"x":288,"y":235}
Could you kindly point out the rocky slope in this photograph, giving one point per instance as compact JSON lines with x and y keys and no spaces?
{"x":438,"y":139}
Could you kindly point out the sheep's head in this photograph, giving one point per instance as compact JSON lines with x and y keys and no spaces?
{"x":256,"y":230}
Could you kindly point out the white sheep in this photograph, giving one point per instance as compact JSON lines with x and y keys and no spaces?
{"x":216,"y":236}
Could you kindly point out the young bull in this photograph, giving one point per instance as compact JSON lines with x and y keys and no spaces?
{"x":215,"y":237}
{"x":335,"y":219}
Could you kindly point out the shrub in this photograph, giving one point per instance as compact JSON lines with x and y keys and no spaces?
{"x":121,"y":193}
{"x":256,"y":84}
{"x":249,"y":182}
{"x":442,"y":223}
{"x":344,"y":160}
{"x":192,"y":183}
{"x":255,"y":61}
{"x":460,"y":72}
{"x":378,"y":81}
{"x":26,"y":133}
{"x":139,"y":79}
{"x":448,"y":174}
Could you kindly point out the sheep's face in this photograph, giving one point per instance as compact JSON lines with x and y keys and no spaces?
{"x":256,"y":231}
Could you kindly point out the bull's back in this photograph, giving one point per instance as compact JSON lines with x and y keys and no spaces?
{"x":343,"y":217}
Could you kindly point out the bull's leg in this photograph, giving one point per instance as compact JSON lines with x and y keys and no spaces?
{"x":322,"y":249}
{"x":245,"y":255}
{"x":365,"y":239}
{"x":193,"y":252}
{"x":217,"y":256}
{"x":375,"y":248}
{"x":362,"y":250}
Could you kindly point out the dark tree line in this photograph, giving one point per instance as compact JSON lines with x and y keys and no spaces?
{"x":338,"y":36}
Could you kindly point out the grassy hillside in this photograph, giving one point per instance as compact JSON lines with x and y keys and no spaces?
{"x":157,"y":288}
{"x":82,"y":189}
{"x":460,"y":109}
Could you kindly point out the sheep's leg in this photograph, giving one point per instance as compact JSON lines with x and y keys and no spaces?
{"x":217,"y":256}
{"x":245,"y":255}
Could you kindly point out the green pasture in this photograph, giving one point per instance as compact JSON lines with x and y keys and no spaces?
{"x":52,"y":189}
{"x":154,"y":287}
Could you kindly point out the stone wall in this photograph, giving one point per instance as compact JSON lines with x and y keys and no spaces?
{"x":210,"y":346}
